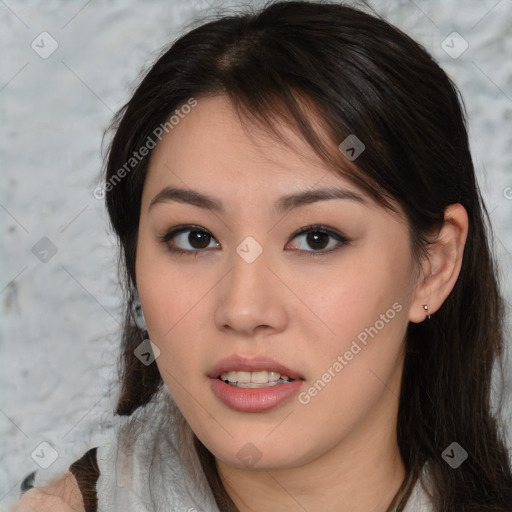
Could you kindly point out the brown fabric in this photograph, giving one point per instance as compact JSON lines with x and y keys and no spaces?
{"x":86,"y":472}
{"x":28,"y":482}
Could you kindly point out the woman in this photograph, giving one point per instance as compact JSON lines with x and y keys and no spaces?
{"x":304,"y":243}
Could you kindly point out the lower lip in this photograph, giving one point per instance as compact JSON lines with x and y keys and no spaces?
{"x":254,"y":399}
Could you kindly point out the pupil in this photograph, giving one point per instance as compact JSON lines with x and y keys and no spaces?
{"x":314,"y":238}
{"x":201,"y":238}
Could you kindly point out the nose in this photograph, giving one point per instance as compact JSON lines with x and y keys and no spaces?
{"x":251,"y":299}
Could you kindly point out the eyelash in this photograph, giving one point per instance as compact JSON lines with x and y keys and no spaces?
{"x":316,"y":228}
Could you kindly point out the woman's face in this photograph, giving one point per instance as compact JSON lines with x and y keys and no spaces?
{"x":249,"y":299}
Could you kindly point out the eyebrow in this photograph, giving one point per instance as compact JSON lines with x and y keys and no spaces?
{"x":282,"y":205}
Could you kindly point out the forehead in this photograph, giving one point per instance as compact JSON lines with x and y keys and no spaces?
{"x":211,"y":147}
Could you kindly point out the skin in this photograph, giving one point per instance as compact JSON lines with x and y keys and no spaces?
{"x":339,"y":451}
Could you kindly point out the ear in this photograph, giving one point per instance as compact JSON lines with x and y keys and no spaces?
{"x":441,"y":267}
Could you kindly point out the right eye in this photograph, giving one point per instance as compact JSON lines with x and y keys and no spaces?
{"x":198,"y":238}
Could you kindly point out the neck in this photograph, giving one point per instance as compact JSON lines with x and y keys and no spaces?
{"x":356,"y":476}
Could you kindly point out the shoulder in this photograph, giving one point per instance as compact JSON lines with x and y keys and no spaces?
{"x":60,"y":495}
{"x":73,"y":490}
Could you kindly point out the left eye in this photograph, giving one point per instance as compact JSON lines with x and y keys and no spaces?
{"x":316,"y":237}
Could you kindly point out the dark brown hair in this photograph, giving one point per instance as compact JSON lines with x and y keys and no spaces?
{"x":291,"y":63}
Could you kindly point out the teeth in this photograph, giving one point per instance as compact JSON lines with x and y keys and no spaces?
{"x":273,"y":376}
{"x":244,"y":377}
{"x":259,"y":378}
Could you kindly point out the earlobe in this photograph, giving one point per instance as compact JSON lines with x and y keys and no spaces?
{"x":442,"y":267}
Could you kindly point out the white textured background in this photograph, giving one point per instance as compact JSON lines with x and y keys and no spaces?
{"x":60,"y":320}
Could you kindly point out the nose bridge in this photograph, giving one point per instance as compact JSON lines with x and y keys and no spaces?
{"x":249,"y":263}
{"x":248,"y":282}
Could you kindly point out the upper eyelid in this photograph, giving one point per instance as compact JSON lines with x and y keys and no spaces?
{"x":318,"y":227}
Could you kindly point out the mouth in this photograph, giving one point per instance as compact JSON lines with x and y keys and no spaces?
{"x":255,"y":384}
{"x":254,"y":379}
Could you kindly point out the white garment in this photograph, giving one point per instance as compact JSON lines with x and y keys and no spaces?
{"x":419,"y":501}
{"x":151,"y":465}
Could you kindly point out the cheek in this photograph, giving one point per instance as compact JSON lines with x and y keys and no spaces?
{"x":356,"y":371}
{"x":359,"y":294}
{"x":364,"y":304}
{"x":174,"y":295}
{"x":169,"y":287}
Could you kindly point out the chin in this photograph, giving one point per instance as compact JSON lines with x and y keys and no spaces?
{"x":259,"y":454}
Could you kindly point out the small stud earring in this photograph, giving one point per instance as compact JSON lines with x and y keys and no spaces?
{"x":427,"y":315}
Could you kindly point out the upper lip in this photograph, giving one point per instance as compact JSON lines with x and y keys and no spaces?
{"x":253,"y":364}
